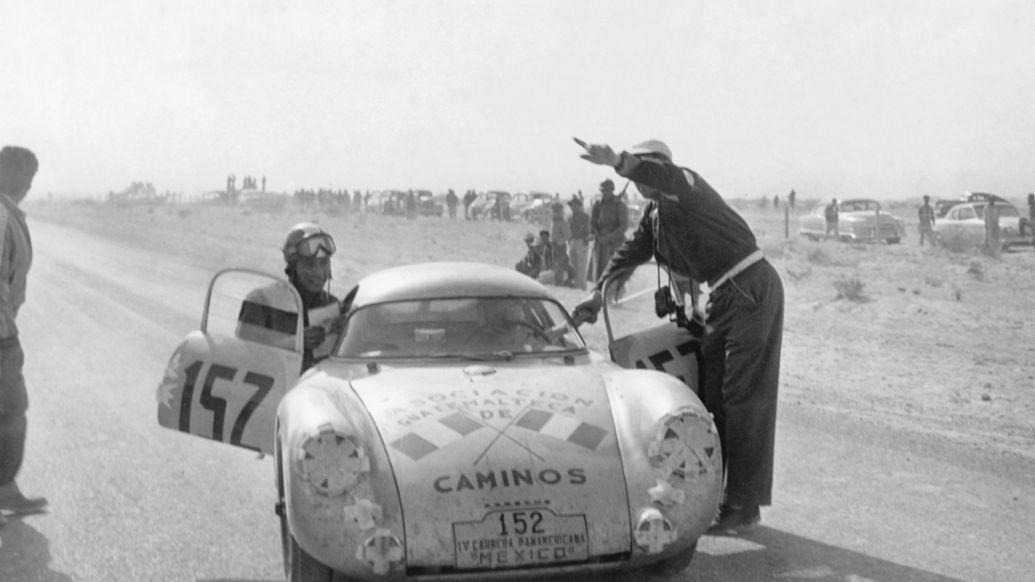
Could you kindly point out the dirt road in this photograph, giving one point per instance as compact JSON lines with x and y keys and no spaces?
{"x":855,"y":500}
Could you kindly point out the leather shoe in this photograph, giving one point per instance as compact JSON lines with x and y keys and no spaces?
{"x":12,"y":499}
{"x":734,"y":518}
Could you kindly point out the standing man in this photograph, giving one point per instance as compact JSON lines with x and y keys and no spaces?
{"x":560,"y":234}
{"x":688,"y":227}
{"x":831,"y":214}
{"x":578,"y":247}
{"x":17,"y":169}
{"x":1031,"y":216}
{"x":926,"y":216}
{"x":993,"y":240}
{"x":451,"y":203}
{"x":608,"y":222}
{"x":469,"y":197}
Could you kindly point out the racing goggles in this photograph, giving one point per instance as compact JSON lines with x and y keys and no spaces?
{"x":311,"y":246}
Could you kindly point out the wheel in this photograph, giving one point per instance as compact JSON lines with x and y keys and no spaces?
{"x":673,"y":565}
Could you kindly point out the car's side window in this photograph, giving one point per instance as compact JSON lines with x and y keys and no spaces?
{"x":255,"y":307}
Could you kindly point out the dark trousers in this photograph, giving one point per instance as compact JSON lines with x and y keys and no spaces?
{"x":13,"y":402}
{"x":741,"y":353}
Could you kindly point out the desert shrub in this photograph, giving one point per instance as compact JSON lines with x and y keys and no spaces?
{"x":976,"y":269}
{"x":184,"y":213}
{"x":933,"y":281}
{"x":819,"y":256}
{"x":798,"y":273}
{"x":849,"y":288}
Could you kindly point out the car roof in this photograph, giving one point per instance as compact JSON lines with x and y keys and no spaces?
{"x":446,"y":279}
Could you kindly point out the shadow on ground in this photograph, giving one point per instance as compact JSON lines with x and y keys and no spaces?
{"x":25,"y":554}
{"x":768,"y":555}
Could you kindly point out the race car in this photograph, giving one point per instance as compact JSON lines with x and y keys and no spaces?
{"x":460,"y":427}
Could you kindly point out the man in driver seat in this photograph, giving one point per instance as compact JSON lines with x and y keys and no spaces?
{"x":506,"y":327}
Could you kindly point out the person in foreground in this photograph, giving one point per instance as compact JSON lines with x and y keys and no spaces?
{"x":689,"y":228}
{"x":307,"y":256}
{"x":17,"y":169}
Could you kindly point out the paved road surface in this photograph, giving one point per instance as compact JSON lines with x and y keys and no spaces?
{"x":132,"y":501}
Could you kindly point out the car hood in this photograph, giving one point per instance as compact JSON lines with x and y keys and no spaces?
{"x":469,"y":444}
{"x":863,"y":215}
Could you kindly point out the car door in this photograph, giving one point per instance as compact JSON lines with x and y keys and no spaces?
{"x":225,"y":380}
{"x":638,"y":337}
{"x":971,"y":221}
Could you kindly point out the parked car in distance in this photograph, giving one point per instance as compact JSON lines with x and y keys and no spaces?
{"x":964,"y":226}
{"x":860,"y":220}
{"x":942,"y":206}
{"x":428,"y":204}
{"x":492,"y":205}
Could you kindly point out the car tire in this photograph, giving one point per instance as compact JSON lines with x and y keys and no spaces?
{"x":301,"y":567}
{"x":673,"y":565}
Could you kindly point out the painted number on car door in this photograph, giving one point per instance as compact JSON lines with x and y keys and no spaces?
{"x":198,"y":378}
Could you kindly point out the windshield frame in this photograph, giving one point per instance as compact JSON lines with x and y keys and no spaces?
{"x":434,"y":331}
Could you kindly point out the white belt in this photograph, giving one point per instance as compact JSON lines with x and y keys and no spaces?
{"x":737,"y":269}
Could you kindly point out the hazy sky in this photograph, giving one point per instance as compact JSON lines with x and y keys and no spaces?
{"x":889,"y":99}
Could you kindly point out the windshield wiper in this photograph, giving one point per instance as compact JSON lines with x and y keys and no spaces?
{"x":490,"y":356}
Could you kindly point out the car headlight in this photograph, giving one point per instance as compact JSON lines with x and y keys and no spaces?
{"x":332,"y":462}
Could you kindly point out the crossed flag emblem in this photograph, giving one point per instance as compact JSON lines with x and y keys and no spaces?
{"x":428,"y":437}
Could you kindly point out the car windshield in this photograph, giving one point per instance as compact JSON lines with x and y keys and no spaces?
{"x":859,"y":205}
{"x":463,"y":327}
{"x":1003,"y":209}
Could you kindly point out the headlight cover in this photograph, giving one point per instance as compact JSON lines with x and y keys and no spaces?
{"x":332,"y":462}
{"x":685,"y":447}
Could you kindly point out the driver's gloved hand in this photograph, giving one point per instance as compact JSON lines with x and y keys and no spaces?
{"x":587,"y":310}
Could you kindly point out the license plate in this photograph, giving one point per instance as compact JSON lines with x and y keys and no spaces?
{"x":520,"y":538}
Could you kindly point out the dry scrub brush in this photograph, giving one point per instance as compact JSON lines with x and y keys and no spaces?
{"x":850,"y":288}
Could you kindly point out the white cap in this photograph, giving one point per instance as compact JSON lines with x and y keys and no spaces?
{"x":652,"y":146}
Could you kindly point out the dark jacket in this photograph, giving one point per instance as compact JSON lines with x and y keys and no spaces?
{"x":689,"y":228}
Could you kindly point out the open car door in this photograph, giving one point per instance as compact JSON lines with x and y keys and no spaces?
{"x":635,"y":302}
{"x":225,"y":381}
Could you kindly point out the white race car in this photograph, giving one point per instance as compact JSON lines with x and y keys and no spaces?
{"x":460,"y":428}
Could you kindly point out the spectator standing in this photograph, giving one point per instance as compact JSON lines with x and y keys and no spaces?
{"x":993,"y":239}
{"x":560,"y":234}
{"x":790,"y":198}
{"x":831,"y":214}
{"x":18,"y":167}
{"x":608,"y":222}
{"x":469,"y":198}
{"x":545,"y":249}
{"x":451,"y":203}
{"x":688,"y":227}
{"x":925,"y":214}
{"x":578,"y":246}
{"x":1031,"y":216}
